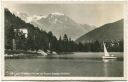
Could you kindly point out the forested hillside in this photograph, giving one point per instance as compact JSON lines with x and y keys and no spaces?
{"x":39,"y":39}
{"x":111,"y":31}
{"x":36,"y":39}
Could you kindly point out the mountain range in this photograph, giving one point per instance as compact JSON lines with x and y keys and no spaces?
{"x":61,"y":24}
{"x":110,"y":31}
{"x":58,"y":23}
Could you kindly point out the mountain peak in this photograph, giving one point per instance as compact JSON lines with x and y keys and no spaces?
{"x":57,"y":13}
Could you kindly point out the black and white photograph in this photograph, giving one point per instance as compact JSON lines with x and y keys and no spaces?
{"x":64,"y":39}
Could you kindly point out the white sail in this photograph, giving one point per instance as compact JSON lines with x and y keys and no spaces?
{"x":105,"y":51}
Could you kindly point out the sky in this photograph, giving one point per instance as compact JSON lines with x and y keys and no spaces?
{"x":92,"y":14}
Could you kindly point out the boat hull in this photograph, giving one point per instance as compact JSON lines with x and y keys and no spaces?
{"x":109,"y":57}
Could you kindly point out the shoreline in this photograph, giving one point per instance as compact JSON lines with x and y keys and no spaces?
{"x":61,"y":57}
{"x":18,"y":54}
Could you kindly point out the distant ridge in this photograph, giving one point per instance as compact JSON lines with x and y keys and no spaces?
{"x":110,"y":31}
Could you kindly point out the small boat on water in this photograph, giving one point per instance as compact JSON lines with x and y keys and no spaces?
{"x":107,"y":55}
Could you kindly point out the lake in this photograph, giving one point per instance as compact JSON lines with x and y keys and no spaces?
{"x":83,"y":64}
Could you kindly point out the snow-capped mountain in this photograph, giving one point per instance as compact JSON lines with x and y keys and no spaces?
{"x":27,"y":18}
{"x":23,"y":16}
{"x":58,"y":23}
{"x":61,"y":24}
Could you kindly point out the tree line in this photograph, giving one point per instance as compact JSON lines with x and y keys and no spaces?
{"x":39,"y":39}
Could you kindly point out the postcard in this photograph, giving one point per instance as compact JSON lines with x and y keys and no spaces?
{"x":64,"y":40}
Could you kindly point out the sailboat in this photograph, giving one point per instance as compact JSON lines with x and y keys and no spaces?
{"x":106,"y":54}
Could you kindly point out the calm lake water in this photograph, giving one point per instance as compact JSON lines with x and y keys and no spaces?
{"x":77,"y":64}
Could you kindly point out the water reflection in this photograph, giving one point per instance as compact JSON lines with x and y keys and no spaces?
{"x":79,"y":64}
{"x":109,"y":60}
{"x":106,"y":66}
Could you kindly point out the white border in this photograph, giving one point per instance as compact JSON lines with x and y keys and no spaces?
{"x":2,"y":40}
{"x":69,"y":78}
{"x":126,"y":40}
